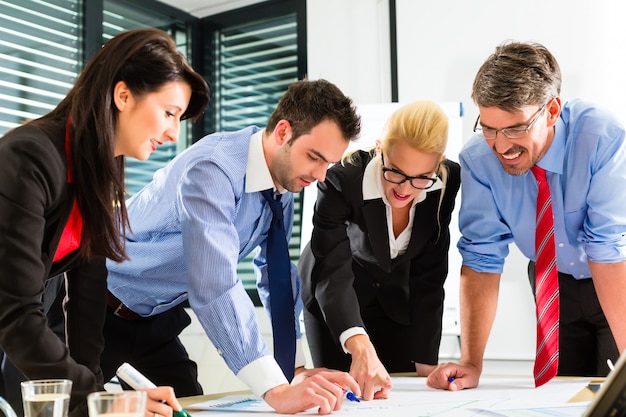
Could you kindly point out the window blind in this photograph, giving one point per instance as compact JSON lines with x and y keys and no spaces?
{"x":39,"y":57}
{"x":253,"y":63}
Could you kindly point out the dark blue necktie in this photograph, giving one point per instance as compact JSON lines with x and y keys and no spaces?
{"x":281,"y":295}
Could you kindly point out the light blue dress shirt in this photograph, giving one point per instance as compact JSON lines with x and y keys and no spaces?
{"x":586,"y":170}
{"x":200,"y":216}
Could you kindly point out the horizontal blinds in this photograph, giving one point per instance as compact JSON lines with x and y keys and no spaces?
{"x":39,"y":57}
{"x":257,"y":62}
{"x":254,"y":63}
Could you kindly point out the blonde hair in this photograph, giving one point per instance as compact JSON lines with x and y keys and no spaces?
{"x":422,"y":125}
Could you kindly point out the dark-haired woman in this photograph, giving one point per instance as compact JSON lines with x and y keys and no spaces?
{"x":62,"y":201}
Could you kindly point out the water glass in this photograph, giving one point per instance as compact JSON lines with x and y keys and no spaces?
{"x":46,"y":397}
{"x":117,"y":404}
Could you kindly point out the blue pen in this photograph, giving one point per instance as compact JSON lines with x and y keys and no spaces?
{"x":349,"y":394}
{"x":450,"y":379}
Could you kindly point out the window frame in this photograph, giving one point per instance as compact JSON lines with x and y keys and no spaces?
{"x":207,"y":27}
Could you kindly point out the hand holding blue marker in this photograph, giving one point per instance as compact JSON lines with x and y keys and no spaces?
{"x":127,"y":373}
{"x":349,"y":394}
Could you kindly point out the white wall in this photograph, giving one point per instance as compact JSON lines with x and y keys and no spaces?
{"x":441,"y":45}
{"x":348,"y":44}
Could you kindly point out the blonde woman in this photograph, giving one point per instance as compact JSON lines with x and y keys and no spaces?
{"x":374,"y":270}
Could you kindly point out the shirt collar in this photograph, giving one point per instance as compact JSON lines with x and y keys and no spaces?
{"x":553,"y":159}
{"x":258,"y":177}
{"x":373,"y":183}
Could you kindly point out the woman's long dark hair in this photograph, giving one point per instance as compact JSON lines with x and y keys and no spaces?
{"x":145,"y":59}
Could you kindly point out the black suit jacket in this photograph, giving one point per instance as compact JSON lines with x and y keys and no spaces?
{"x":347,"y":263}
{"x":35,"y":203}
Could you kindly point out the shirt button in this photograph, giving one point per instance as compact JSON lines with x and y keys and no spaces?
{"x":571,"y":264}
{"x":219,"y":352}
{"x":376,"y":285}
{"x":561,"y":245}
{"x":581,"y":276}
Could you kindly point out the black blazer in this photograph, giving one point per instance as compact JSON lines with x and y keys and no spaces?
{"x":35,"y":203}
{"x":347,"y":264}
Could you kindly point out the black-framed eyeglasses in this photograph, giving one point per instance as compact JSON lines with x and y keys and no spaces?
{"x":421,"y":182}
{"x":515,"y":132}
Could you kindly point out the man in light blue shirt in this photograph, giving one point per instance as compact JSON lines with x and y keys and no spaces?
{"x":191,"y":226}
{"x":523,"y":122}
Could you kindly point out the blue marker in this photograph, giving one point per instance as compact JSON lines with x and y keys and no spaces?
{"x":349,"y":394}
{"x":450,"y":379}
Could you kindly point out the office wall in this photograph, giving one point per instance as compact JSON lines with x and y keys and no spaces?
{"x":348,"y":44}
{"x":441,"y":45}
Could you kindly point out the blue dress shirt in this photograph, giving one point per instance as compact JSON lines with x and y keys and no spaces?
{"x":586,"y":170}
{"x":198,"y":218}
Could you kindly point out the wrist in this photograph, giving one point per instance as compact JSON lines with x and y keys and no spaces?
{"x":359,"y":344}
{"x":472,"y":363}
{"x":269,"y":395}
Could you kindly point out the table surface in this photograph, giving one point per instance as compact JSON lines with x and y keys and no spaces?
{"x":584,"y":395}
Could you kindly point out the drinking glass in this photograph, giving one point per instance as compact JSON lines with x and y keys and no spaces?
{"x":117,"y":404}
{"x":46,"y":397}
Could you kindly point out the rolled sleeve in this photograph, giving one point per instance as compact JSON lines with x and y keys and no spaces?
{"x":604,"y":228}
{"x":485,"y":237}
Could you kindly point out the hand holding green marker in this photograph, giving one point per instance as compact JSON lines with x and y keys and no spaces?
{"x":137,"y":381}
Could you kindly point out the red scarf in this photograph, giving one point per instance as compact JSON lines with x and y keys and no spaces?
{"x":70,"y":239}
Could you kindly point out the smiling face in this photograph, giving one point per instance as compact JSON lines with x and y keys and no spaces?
{"x":412,"y":163}
{"x":149,"y":120}
{"x":295,"y":165}
{"x":517,"y":156}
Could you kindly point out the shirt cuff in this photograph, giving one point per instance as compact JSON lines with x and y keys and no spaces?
{"x":262,"y":375}
{"x":346,"y":334}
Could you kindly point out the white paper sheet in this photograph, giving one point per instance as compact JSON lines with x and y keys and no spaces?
{"x":515,"y":397}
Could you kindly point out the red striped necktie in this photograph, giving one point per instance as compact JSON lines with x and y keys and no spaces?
{"x":546,"y":285}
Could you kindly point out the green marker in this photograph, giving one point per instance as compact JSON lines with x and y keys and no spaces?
{"x":127,"y":373}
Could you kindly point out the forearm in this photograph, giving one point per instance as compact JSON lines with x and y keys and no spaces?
{"x":609,"y":280}
{"x":478,"y":302}
{"x":360,"y":347}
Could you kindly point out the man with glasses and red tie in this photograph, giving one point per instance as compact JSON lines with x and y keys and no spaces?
{"x":548,"y":175}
